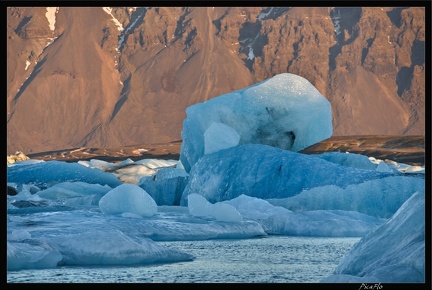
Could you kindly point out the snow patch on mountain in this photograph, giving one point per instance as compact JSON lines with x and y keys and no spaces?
{"x":109,"y":11}
{"x":123,"y":31}
{"x":263,"y":15}
{"x":131,"y":26}
{"x":51,"y":16}
{"x":336,"y":19}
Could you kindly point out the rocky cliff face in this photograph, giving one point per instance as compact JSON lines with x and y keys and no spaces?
{"x":102,"y":77}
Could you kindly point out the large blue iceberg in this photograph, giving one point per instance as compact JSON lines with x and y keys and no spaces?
{"x":267,"y":172}
{"x":285,"y":111}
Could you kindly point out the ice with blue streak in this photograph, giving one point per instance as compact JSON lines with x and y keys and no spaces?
{"x":267,"y":172}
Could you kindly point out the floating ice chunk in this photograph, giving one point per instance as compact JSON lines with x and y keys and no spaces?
{"x":225,"y":212}
{"x":321,"y":223}
{"x":127,"y":171}
{"x":104,"y":165}
{"x":132,"y":173}
{"x":199,"y":206}
{"x":35,"y":255}
{"x":255,"y":208}
{"x":277,"y":220}
{"x":266,"y":172}
{"x":49,"y":173}
{"x":113,"y":247}
{"x":405,"y":168}
{"x":157,"y":163}
{"x":383,"y":167}
{"x":394,"y":252}
{"x":401,"y":167}
{"x":410,"y":168}
{"x":285,"y":111}
{"x":128,"y":198}
{"x":75,"y":193}
{"x":172,"y":223}
{"x":166,"y":186}
{"x":379,"y":197}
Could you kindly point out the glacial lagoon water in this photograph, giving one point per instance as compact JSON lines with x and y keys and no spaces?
{"x":273,"y":259}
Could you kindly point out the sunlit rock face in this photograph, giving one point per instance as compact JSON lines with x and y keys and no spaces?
{"x":285,"y":111}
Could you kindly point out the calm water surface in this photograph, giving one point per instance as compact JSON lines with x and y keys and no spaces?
{"x":275,"y":259}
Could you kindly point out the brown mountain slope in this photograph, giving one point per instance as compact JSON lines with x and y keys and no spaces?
{"x":173,"y":75}
{"x":80,"y":81}
{"x":73,"y":88}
